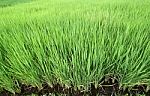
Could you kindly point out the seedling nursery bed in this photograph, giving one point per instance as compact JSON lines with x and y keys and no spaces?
{"x":107,"y":88}
{"x":75,"y":47}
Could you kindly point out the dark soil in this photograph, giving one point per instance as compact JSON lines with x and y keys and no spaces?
{"x":108,"y":87}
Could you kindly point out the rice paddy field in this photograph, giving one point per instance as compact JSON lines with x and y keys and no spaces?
{"x":55,"y":46}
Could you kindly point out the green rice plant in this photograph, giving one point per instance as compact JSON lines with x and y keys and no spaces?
{"x":75,"y":45}
{"x":6,"y":81}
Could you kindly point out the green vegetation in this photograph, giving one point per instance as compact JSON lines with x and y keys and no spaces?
{"x":6,"y":3}
{"x":74,"y":42}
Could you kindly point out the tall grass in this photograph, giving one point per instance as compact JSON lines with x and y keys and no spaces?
{"x":74,"y":45}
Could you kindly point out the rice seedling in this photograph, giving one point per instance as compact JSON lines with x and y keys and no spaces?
{"x":55,"y":42}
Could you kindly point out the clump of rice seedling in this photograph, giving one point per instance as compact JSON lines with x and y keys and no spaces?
{"x":74,"y":46}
